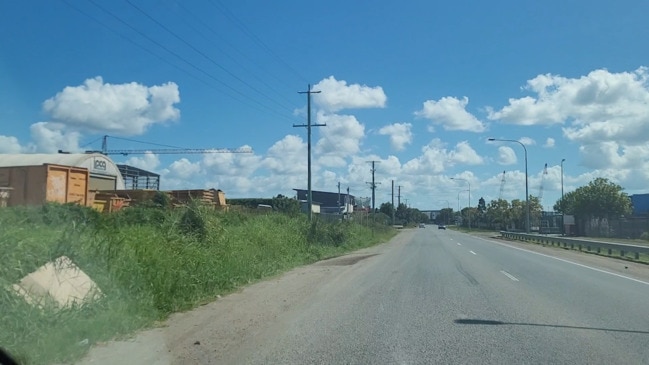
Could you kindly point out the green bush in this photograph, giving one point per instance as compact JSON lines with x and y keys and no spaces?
{"x":148,"y":262}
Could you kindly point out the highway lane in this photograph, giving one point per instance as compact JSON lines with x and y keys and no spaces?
{"x":450,"y":298}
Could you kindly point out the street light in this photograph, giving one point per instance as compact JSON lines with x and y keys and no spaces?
{"x":458,"y":202}
{"x":563,"y":225}
{"x":562,"y":161}
{"x":527,"y":194}
{"x":467,"y":181}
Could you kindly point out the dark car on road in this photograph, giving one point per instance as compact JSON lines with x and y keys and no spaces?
{"x":441,"y":226}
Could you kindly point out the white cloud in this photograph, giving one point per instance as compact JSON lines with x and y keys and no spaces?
{"x":527,"y":141}
{"x":287,"y":156}
{"x":400,"y":134}
{"x":50,"y":137}
{"x":230,"y":164}
{"x":125,"y":109}
{"x":9,"y":144}
{"x":506,"y":155}
{"x":549,"y":143}
{"x":148,"y":161}
{"x":465,"y":154}
{"x":450,"y":112}
{"x":436,"y":157}
{"x":600,"y":105}
{"x":337,"y":95}
{"x":341,"y":137}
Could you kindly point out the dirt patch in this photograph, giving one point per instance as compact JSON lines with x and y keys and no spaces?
{"x":344,"y":260}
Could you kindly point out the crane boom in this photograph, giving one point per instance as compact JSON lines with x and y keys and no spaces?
{"x":165,"y":151}
{"x":502,"y":186}
{"x":545,"y":173}
{"x":178,"y":151}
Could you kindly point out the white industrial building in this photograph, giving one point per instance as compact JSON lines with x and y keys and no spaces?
{"x":104,"y":174}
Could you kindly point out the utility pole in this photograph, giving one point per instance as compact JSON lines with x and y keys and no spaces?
{"x":373,"y":185}
{"x":393,"y":208}
{"x":339,"y":212}
{"x":308,"y":126}
{"x":399,"y":196}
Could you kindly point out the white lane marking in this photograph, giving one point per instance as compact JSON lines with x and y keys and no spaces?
{"x":569,"y":262}
{"x":508,"y":275}
{"x":459,"y":244}
{"x":473,"y":252}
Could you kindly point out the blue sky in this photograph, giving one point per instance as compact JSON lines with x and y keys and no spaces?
{"x":419,"y":86}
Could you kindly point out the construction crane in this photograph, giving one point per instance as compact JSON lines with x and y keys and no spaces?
{"x":163,"y":151}
{"x":543,"y":175}
{"x":502,"y":186}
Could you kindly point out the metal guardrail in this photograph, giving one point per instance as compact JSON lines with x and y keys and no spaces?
{"x":630,"y":252}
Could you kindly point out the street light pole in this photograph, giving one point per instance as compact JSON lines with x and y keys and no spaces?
{"x":468,"y":183}
{"x":458,"y":202}
{"x":562,"y":161}
{"x":527,"y":194}
{"x":563,"y":213}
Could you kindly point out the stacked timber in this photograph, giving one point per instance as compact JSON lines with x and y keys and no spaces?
{"x":211,"y":197}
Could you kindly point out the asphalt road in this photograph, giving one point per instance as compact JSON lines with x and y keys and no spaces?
{"x":443,"y":297}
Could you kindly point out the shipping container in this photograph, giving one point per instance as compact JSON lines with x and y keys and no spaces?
{"x":36,"y":185}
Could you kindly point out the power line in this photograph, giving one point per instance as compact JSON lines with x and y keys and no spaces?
{"x":136,"y":44}
{"x":241,"y":53}
{"x":221,"y":7}
{"x":207,"y":57}
{"x":193,"y":65}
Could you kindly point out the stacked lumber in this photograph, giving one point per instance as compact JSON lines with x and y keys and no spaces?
{"x":133,"y":196}
{"x":107,"y":202}
{"x":211,"y":197}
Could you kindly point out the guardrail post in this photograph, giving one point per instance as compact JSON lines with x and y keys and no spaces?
{"x":580,"y":247}
{"x":599,"y":250}
{"x":621,"y":253}
{"x":610,"y":252}
{"x":637,"y":255}
{"x":588,"y":248}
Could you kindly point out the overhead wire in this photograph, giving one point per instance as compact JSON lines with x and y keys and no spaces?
{"x":238,"y":51}
{"x":207,"y":57}
{"x":165,"y":60}
{"x":241,"y":25}
{"x":190,"y":64}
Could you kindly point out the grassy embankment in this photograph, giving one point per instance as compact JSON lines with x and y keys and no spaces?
{"x":148,"y":263}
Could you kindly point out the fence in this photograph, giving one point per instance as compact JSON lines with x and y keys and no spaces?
{"x":629,"y":252}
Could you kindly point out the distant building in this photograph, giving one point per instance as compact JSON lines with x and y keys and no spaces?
{"x":432,"y":214}
{"x":328,"y":202}
{"x":640,"y":204}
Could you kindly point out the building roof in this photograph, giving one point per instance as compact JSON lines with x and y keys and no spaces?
{"x":31,"y":159}
{"x":96,"y":163}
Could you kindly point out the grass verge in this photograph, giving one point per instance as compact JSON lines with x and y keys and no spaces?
{"x":148,"y":263}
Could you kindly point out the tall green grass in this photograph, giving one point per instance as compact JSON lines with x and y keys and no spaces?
{"x":148,"y":263}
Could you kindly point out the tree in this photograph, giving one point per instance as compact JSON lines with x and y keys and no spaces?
{"x":482,"y":209}
{"x":387,"y":209}
{"x":445,"y":216}
{"x":286,"y":205}
{"x":469,"y":214}
{"x":499,"y":214}
{"x":601,"y":198}
{"x":566,"y":205}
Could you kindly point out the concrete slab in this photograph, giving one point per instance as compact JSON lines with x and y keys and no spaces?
{"x":60,"y":280}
